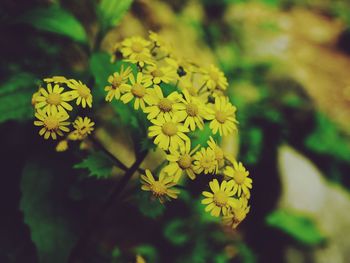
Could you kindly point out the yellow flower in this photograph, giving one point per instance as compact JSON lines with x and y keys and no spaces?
{"x":80,"y":92}
{"x":62,"y":146}
{"x":237,"y":214}
{"x":191,"y":112}
{"x":138,"y":90}
{"x":53,"y":123}
{"x":180,"y":162}
{"x":240,"y":178}
{"x":52,"y":98}
{"x":155,"y":75}
{"x":168,"y":132}
{"x":205,"y":161}
{"x":140,"y":259}
{"x":118,"y":83}
{"x":214,"y":78}
{"x":160,"y":188}
{"x":181,"y":66}
{"x":84,"y":127}
{"x":159,"y":43}
{"x":57,"y":79}
{"x":222,"y":116}
{"x":35,"y":96}
{"x":219,"y":153}
{"x":186,"y":83}
{"x":220,"y":200}
{"x":136,"y":50}
{"x":161,"y":106}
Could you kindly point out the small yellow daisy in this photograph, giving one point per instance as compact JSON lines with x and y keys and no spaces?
{"x":242,"y":183}
{"x":136,"y":50}
{"x":215,"y":78}
{"x":222,"y":117}
{"x":156,"y":75}
{"x":62,"y":146}
{"x":57,"y":79}
{"x":80,"y":92}
{"x":53,"y":123}
{"x":168,"y":132}
{"x":160,"y":188}
{"x":237,"y":214}
{"x":220,"y":200}
{"x":219,"y":153}
{"x":180,"y":162}
{"x":205,"y":161}
{"x":159,"y":43}
{"x":160,"y":106}
{"x":53,"y":98}
{"x":138,"y":90}
{"x":118,"y":83}
{"x":83,"y":126}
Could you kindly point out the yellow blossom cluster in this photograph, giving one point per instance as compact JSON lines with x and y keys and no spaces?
{"x":53,"y":105}
{"x":178,"y":98}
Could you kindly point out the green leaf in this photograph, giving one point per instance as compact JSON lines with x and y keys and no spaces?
{"x":44,"y":207}
{"x":200,"y":137}
{"x":15,"y":97}
{"x":56,"y":20}
{"x":147,"y":251}
{"x":99,"y":165}
{"x":298,"y":226}
{"x":175,"y":232}
{"x":149,"y":208}
{"x":112,"y":11}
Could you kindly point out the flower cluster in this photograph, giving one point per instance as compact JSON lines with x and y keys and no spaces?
{"x":53,"y":107}
{"x":178,"y":98}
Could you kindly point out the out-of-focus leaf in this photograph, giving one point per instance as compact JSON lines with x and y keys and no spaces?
{"x":245,"y":253}
{"x":297,"y":226}
{"x":45,"y":211}
{"x":252,"y":139}
{"x":326,"y":139}
{"x":15,"y":97}
{"x":149,"y":208}
{"x":175,"y":232}
{"x":112,"y":11}
{"x":56,"y":20}
{"x":149,"y":252}
{"x":200,"y":137}
{"x":98,"y":164}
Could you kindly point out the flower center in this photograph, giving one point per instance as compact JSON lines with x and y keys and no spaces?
{"x":239,"y":177}
{"x":136,"y":47}
{"x":165,"y":105}
{"x":207,"y":162}
{"x":158,"y":188}
{"x":220,"y":116}
{"x":83,"y":91}
{"x":169,"y":128}
{"x":185,"y":161}
{"x":157,"y":73}
{"x":220,"y":198}
{"x":117,"y":81}
{"x":138,"y":90}
{"x":192,"y":109}
{"x":51,"y":123}
{"x":54,"y":98}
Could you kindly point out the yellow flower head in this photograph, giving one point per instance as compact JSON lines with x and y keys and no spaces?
{"x":57,"y":79}
{"x":220,"y":200}
{"x":214,"y":78}
{"x":205,"y":161}
{"x":160,"y":106}
{"x":219,"y":153}
{"x":180,"y":162}
{"x":52,"y":98}
{"x":136,"y":50}
{"x":138,"y":90}
{"x":62,"y":146}
{"x":80,"y":92}
{"x":35,"y":95}
{"x":237,"y":214}
{"x":222,"y":117}
{"x":159,"y":43}
{"x":191,"y":112}
{"x":83,"y":126}
{"x":161,"y":188}
{"x":156,"y":75}
{"x":168,"y":132}
{"x":118,"y":83}
{"x":53,"y":123}
{"x":240,"y":178}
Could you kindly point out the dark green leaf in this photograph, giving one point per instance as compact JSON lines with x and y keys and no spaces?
{"x":112,"y":11}
{"x":56,"y":20}
{"x":15,"y":97}
{"x":98,"y":164}
{"x":296,"y":225}
{"x":175,"y":232}
{"x":45,"y":211}
{"x":149,"y":208}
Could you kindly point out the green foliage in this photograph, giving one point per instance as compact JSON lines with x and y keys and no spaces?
{"x":200,"y":137}
{"x":175,"y":232}
{"x":149,"y":208}
{"x":45,"y":211}
{"x":245,"y":253}
{"x":149,"y":252}
{"x":326,"y":139}
{"x":296,"y":225}
{"x":15,"y":96}
{"x":54,"y":19}
{"x":112,"y":11}
{"x":253,"y":139}
{"x":99,"y":165}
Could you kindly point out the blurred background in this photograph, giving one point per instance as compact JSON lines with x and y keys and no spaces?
{"x":287,"y":62}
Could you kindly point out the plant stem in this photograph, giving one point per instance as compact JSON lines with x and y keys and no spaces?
{"x":93,"y":223}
